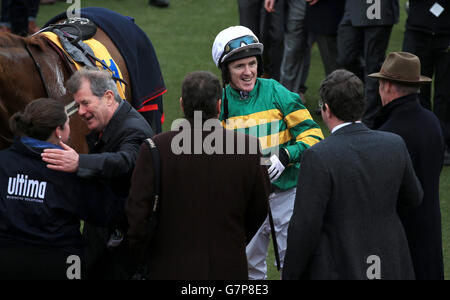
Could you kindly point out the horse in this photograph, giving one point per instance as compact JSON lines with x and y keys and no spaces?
{"x":32,"y":67}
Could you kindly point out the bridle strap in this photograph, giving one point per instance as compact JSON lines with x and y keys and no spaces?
{"x":71,"y":107}
{"x":39,"y":69}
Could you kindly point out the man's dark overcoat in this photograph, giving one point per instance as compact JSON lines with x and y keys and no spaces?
{"x":422,"y":134}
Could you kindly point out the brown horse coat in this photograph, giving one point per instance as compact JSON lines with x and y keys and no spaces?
{"x":21,"y":82}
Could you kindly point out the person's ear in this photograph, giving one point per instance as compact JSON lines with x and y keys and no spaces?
{"x":58,"y":132}
{"x":391,"y":87}
{"x":181,"y":104}
{"x":327,"y":110}
{"x":109,"y":97}
{"x":218,"y":107}
{"x":386,"y":85}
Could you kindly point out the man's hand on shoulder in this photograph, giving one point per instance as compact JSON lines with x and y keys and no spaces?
{"x":312,"y":2}
{"x":66,"y":160}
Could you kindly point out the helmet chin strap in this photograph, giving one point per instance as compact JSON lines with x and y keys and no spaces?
{"x":244,"y":95}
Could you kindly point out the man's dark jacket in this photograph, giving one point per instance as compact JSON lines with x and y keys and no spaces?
{"x":422,"y":134}
{"x":421,"y":19}
{"x":112,"y":158}
{"x":210,"y":206}
{"x":356,"y":11}
{"x":324,"y":16}
{"x":345,"y":211}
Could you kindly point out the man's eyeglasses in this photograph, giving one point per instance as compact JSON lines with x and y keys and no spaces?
{"x":239,"y":42}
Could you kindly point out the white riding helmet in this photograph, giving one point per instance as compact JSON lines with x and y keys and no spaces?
{"x":234,"y":43}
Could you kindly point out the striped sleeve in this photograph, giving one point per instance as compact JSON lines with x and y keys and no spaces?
{"x":305,"y":132}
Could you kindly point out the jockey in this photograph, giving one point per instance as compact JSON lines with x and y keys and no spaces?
{"x":267,"y":110}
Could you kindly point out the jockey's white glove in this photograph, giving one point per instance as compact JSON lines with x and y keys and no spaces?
{"x":278,"y":165}
{"x":276,"y":168}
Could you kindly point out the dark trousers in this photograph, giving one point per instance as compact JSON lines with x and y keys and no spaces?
{"x":5,"y":10}
{"x":434,"y":54}
{"x":102,"y":263}
{"x":19,"y":11}
{"x":362,"y":50}
{"x":33,"y":262}
{"x":32,"y":5}
{"x":297,"y":48}
{"x":269,"y":28}
{"x":328,"y":51}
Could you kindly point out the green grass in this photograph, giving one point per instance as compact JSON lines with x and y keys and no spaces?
{"x":445,"y":209}
{"x":182,"y":36}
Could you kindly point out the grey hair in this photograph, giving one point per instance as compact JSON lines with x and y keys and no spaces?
{"x":100,"y":82}
{"x":406,"y":89}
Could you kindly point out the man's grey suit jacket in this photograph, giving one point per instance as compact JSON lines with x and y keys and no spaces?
{"x":357,"y":12}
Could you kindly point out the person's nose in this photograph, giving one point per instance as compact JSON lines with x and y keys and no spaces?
{"x":81,"y":110}
{"x":247,"y":70}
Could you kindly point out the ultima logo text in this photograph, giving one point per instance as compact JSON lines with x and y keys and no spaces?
{"x":22,"y":188}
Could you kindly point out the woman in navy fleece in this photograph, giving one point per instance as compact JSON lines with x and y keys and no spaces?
{"x":40,"y":209}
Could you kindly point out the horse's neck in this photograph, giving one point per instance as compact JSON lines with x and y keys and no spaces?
{"x":54,"y":71}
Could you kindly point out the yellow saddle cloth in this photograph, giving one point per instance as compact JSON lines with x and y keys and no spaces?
{"x":100,"y":52}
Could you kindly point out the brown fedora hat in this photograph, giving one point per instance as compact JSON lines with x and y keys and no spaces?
{"x":402,"y":67}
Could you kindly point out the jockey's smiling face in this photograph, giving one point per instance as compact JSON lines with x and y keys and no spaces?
{"x":243,"y":73}
{"x":95,"y":111}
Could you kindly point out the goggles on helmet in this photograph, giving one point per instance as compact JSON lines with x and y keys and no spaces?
{"x":238,"y":43}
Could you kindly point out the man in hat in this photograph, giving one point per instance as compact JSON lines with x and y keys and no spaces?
{"x":267,"y":110}
{"x":400,"y":82}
